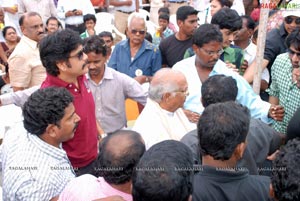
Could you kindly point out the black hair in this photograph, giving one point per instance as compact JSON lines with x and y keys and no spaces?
{"x":95,"y":44}
{"x":227,"y":18}
{"x":115,"y":165}
{"x":44,"y":107}
{"x":165,"y":172}
{"x":4,"y":31}
{"x":106,"y":34}
{"x":250,"y":22}
{"x":57,"y":47}
{"x":217,"y":89}
{"x":221,"y":128}
{"x":29,"y":14}
{"x":223,"y":3}
{"x":184,"y":11}
{"x":164,"y":16}
{"x":293,"y":39}
{"x":207,"y":33}
{"x":285,"y":176}
{"x":164,"y":10}
{"x":293,"y":128}
{"x":88,"y":17}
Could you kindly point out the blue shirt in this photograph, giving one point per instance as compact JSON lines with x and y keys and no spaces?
{"x":259,"y":109}
{"x":147,"y":59}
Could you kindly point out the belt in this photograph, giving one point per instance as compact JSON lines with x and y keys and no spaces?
{"x":178,"y":2}
{"x":125,"y":12}
{"x":75,"y":25}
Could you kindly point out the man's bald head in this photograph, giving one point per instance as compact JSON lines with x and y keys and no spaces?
{"x":119,"y":154}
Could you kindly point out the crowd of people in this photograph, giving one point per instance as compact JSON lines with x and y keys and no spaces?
{"x":201,"y":132}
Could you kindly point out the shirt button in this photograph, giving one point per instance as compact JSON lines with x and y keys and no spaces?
{"x":70,"y":85}
{"x":75,"y":90}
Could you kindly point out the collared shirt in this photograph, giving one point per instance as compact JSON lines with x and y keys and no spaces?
{"x":82,"y":148}
{"x":46,"y":8}
{"x":25,"y":66}
{"x":234,"y":55}
{"x":88,"y":187}
{"x":32,"y":168}
{"x":212,"y":183}
{"x":86,"y":34}
{"x":284,"y":89}
{"x":146,"y":61}
{"x":157,"y":38}
{"x":164,"y":125}
{"x":110,"y":95}
{"x":64,"y":6}
{"x":259,"y":109}
{"x":275,"y":44}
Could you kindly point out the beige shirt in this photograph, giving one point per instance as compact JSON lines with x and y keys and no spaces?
{"x":25,"y":67}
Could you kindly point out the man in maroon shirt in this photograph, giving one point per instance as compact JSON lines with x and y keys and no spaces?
{"x":65,"y":62}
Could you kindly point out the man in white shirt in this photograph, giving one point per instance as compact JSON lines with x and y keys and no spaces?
{"x":35,"y":167}
{"x":163,"y":117}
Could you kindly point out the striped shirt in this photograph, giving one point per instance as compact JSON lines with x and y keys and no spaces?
{"x":284,"y":89}
{"x":32,"y":169}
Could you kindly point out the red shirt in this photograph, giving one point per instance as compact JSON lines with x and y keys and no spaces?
{"x":82,"y":149}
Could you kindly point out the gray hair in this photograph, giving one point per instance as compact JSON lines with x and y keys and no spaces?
{"x":136,"y":15}
{"x":164,"y":81}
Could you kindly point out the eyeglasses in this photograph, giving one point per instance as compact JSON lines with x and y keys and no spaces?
{"x":290,"y":20}
{"x":292,"y":53}
{"x":79,"y":55}
{"x":185,"y":93}
{"x":141,"y":32}
{"x":211,"y":53}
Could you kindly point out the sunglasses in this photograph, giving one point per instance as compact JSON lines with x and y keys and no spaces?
{"x":141,"y":32}
{"x":290,"y":20}
{"x":79,"y":55}
{"x":291,"y":52}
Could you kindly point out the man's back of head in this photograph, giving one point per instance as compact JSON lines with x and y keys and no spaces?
{"x":221,"y":129}
{"x":286,"y":172}
{"x":119,"y":153}
{"x":165,"y":172}
{"x":217,"y":89}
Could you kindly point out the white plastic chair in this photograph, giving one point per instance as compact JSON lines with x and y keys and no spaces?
{"x":105,"y":22}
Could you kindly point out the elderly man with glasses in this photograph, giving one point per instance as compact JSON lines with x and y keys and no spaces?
{"x":136,"y":57}
{"x":163,"y":117}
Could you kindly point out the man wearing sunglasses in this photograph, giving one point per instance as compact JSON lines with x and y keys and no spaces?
{"x":66,"y":65}
{"x":283,"y":90}
{"x":275,"y":41}
{"x":136,"y":57}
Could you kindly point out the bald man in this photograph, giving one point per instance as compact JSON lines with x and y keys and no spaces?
{"x":167,"y":92}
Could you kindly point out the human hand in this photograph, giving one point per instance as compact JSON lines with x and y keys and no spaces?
{"x":276,"y":112}
{"x":192,"y":116}
{"x":231,"y":66}
{"x":296,"y":76}
{"x":128,"y":3}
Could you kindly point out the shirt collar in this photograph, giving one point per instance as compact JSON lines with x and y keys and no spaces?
{"x":282,"y":30}
{"x":50,"y":150}
{"x":33,"y":44}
